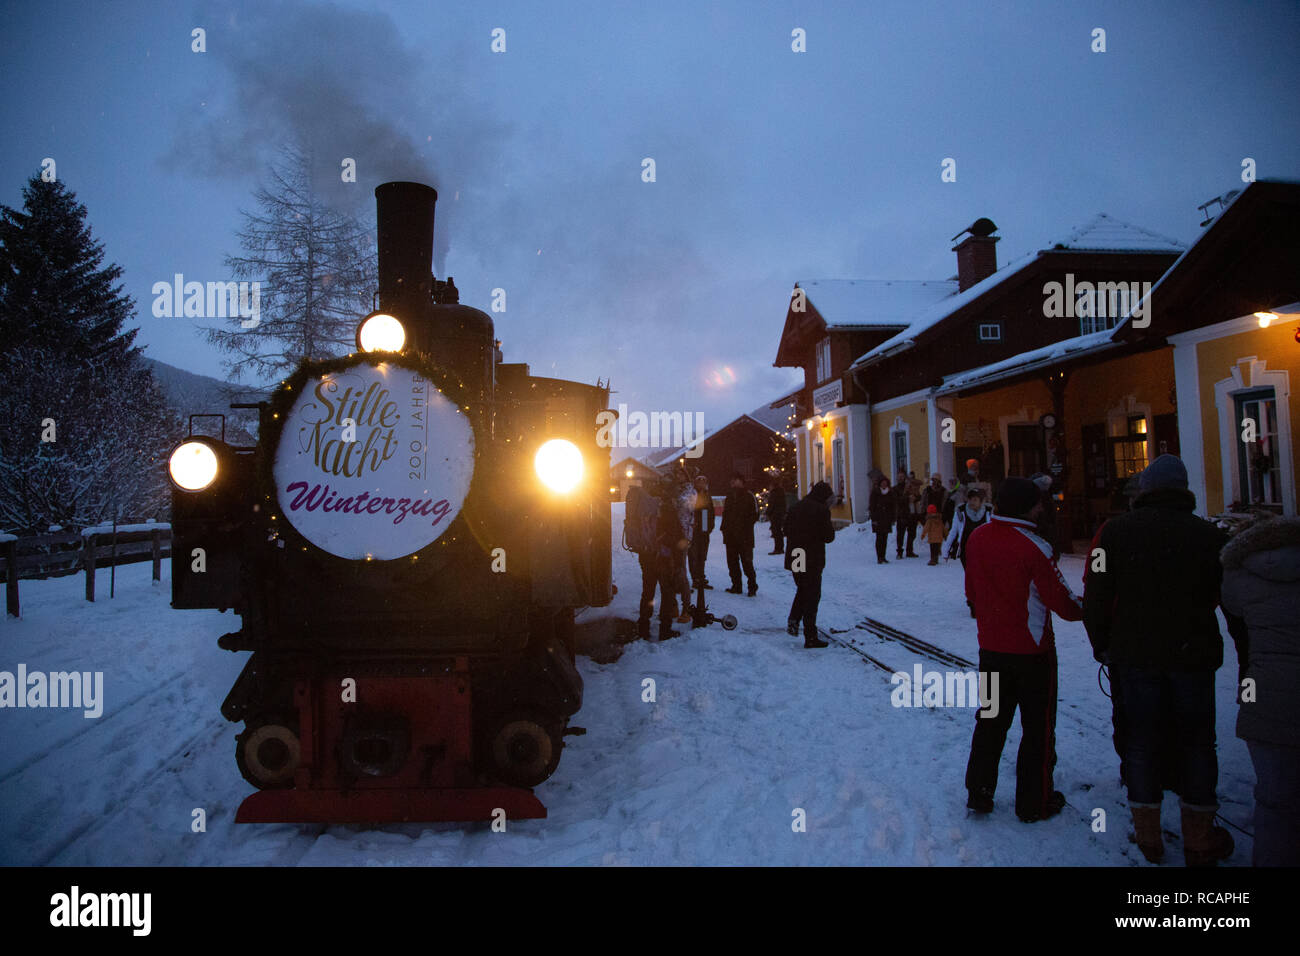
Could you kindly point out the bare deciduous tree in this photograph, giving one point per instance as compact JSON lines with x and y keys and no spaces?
{"x":317,"y":272}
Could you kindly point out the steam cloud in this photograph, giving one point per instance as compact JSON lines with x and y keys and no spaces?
{"x":337,"y":83}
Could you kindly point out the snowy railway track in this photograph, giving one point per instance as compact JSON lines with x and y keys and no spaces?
{"x":36,"y":758}
{"x":885,"y":632}
{"x":852,"y":646}
{"x":123,"y":793}
{"x":914,"y":643}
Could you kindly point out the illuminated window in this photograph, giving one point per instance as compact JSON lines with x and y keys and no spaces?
{"x":1128,"y":446}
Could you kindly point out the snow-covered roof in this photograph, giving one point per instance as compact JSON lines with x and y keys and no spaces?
{"x":871,"y":303}
{"x":774,"y":416}
{"x":1026,"y":361}
{"x":1103,"y":233}
{"x":937,"y":313}
{"x":665,"y":457}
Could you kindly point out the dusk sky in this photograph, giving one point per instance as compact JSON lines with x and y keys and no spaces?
{"x":771,"y":165}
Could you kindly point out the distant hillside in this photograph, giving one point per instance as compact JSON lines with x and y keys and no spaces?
{"x":190,"y":393}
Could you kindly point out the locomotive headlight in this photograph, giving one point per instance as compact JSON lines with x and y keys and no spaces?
{"x":559,"y":465}
{"x":380,"y":332}
{"x":193,"y":465}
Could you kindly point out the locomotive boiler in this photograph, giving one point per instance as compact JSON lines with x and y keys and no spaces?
{"x":406,"y":545}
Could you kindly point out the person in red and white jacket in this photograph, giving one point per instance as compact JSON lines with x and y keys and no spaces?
{"x":1014,"y":587}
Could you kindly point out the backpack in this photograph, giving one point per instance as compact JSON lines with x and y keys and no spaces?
{"x":640,"y":521}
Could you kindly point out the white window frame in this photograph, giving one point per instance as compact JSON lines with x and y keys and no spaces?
{"x":1260,"y":376}
{"x":823,"y":360}
{"x":899,"y":427}
{"x":996,"y":326}
{"x":839,"y":475}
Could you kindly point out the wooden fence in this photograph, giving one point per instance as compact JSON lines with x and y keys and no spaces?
{"x":67,"y":552}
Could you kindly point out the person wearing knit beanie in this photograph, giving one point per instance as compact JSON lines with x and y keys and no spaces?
{"x":1017,"y":497}
{"x":1167,"y":471}
{"x":1150,"y":613}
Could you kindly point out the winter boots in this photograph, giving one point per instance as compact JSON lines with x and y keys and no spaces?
{"x":753,"y":589}
{"x":1055,"y":804}
{"x":812,"y":640}
{"x":1146,"y":827}
{"x":1204,"y":844}
{"x":792,"y":628}
{"x":980,"y":800}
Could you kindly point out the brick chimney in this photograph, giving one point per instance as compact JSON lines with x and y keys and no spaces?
{"x":977,"y":259}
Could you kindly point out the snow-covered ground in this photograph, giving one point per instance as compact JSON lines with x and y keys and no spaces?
{"x":747,"y":727}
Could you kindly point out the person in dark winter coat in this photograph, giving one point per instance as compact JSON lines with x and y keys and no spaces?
{"x":738,"y":516}
{"x":684,"y":504}
{"x":882,"y":508}
{"x":1149,"y":611}
{"x":704,"y":519}
{"x":934,"y":494}
{"x":776,"y":516}
{"x":1261,"y":584}
{"x":905,"y":493}
{"x":1014,"y":587}
{"x":1047,"y":521}
{"x":656,"y":557}
{"x":808,"y":531}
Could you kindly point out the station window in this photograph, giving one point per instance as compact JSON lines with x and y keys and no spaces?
{"x":823,"y":360}
{"x":1258,"y":469}
{"x":991,"y":332}
{"x":1128,"y":448}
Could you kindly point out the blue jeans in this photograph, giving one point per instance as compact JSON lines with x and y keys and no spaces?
{"x":1277,"y":804}
{"x":1153,"y":699}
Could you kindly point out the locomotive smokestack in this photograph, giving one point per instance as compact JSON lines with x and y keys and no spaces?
{"x":404,"y":215}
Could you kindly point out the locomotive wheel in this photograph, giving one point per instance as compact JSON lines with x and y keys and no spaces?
{"x":524,"y":750}
{"x":268,"y":754}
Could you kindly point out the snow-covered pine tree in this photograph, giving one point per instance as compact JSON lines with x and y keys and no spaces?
{"x":317,"y":269}
{"x":70,"y":371}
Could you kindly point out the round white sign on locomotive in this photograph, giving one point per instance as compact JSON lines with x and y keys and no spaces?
{"x":373,"y":462}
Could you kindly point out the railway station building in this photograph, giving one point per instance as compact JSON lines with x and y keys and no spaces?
{"x":1085,"y":360}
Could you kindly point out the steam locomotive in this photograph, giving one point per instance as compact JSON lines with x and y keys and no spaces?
{"x":406,"y":544}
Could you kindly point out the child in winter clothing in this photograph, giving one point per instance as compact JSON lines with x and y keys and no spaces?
{"x":933,"y":531}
